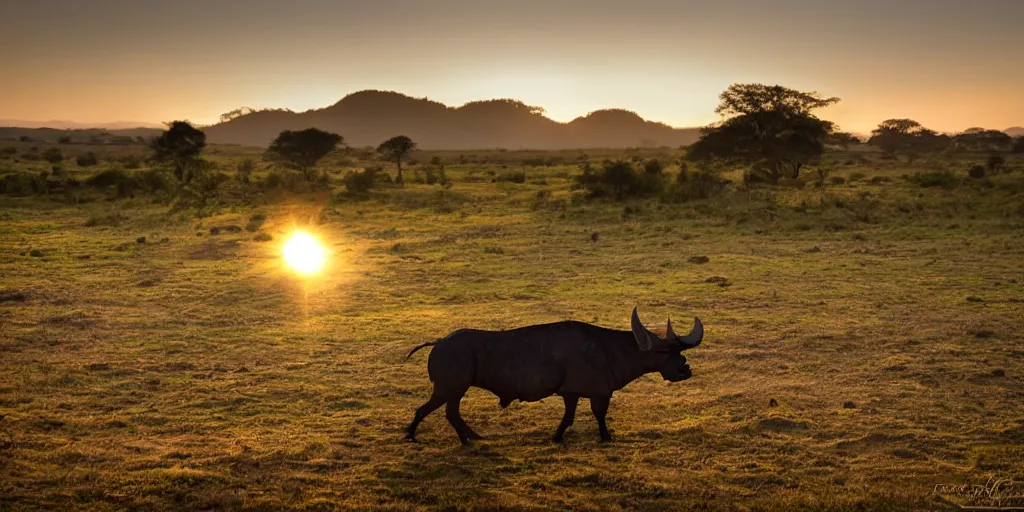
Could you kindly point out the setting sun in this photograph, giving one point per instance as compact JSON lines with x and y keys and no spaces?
{"x":304,"y":254}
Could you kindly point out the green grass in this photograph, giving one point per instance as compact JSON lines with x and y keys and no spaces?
{"x":194,"y":372}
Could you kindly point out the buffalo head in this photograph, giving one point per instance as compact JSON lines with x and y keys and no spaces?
{"x":669,"y":349}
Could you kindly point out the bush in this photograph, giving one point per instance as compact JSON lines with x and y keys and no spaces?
{"x":857,"y":176}
{"x":113,"y":219}
{"x":255,"y":222}
{"x":838,"y":180}
{"x":273,"y":180}
{"x":87,"y":160}
{"x":156,"y":180}
{"x":511,"y":176}
{"x":436,"y":176}
{"x":759,"y":175}
{"x":994,"y":163}
{"x":976,"y":171}
{"x":620,"y":180}
{"x":8,"y":152}
{"x":53,"y":155}
{"x":694,"y":186}
{"x":124,"y":183}
{"x":361,"y":182}
{"x":131,"y":161}
{"x":23,"y":184}
{"x":247,"y":166}
{"x":944,"y":179}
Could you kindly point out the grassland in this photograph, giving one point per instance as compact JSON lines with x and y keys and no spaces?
{"x":192,"y":371}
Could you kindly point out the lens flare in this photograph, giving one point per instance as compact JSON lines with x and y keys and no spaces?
{"x":304,"y":254}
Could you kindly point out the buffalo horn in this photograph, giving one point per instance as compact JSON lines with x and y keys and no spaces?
{"x":694,"y":338}
{"x":646,"y":339}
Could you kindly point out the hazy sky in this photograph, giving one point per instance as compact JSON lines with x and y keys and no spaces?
{"x":949,"y":64}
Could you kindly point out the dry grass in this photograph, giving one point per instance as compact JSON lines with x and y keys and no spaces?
{"x":196,"y":373}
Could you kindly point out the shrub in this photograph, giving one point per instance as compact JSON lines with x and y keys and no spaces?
{"x":994,"y":163}
{"x":53,"y":155}
{"x":857,"y":176}
{"x":112,"y":219}
{"x":759,"y":175}
{"x":255,"y":222}
{"x":23,"y":184}
{"x":87,"y":160}
{"x":273,"y":180}
{"x":8,"y":152}
{"x":436,"y":176}
{"x":247,"y":166}
{"x":976,"y":171}
{"x":694,"y":186}
{"x":361,"y":182}
{"x":124,"y":183}
{"x":838,"y":180}
{"x":156,"y":180}
{"x":620,"y":180}
{"x":511,"y":176}
{"x":944,"y":179}
{"x":131,"y":161}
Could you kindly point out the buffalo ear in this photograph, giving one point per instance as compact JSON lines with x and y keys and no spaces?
{"x":640,"y":333}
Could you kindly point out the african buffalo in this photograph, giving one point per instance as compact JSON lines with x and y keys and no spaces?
{"x":571,"y":359}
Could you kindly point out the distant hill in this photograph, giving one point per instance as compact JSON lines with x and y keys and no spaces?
{"x":367,"y":118}
{"x":1016,"y":131}
{"x":72,"y":125}
{"x":93,"y":135}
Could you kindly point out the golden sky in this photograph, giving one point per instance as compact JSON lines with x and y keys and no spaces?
{"x":949,"y":64}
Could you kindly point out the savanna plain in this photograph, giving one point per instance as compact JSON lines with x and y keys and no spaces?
{"x":863,"y":338}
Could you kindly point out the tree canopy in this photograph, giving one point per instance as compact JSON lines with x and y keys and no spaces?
{"x":396,"y":148}
{"x":180,"y":145}
{"x":769,"y":127}
{"x":907,"y":137}
{"x":979,"y":139}
{"x":304,"y":148}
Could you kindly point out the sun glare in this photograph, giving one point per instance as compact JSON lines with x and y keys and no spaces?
{"x":304,"y":254}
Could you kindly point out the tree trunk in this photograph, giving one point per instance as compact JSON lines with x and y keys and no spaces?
{"x":400,"y":181}
{"x":796,"y":170}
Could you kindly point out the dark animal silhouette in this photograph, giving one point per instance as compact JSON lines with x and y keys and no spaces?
{"x":572,"y":359}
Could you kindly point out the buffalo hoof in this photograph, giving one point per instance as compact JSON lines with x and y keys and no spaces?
{"x":558,"y":439}
{"x":606,"y":439}
{"x":410,"y":439}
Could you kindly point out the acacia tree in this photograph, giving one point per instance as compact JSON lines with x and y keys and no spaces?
{"x":768,"y":127}
{"x":980,"y":139}
{"x":397,"y":148}
{"x":180,"y":146}
{"x":304,"y":148}
{"x":907,"y":137}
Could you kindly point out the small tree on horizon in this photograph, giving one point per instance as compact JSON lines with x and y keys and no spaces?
{"x":304,"y":148}
{"x":768,"y":127}
{"x":397,"y":148}
{"x":180,"y":146}
{"x":907,"y":137}
{"x":53,"y":155}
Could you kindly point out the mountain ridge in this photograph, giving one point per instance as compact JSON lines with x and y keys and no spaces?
{"x":368,"y":117}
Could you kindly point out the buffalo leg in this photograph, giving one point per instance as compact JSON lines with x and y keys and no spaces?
{"x":599,"y":404}
{"x":567,"y":419}
{"x":461,"y":429}
{"x":425,"y":409}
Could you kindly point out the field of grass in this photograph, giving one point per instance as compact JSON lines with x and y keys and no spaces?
{"x":863,"y":344}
